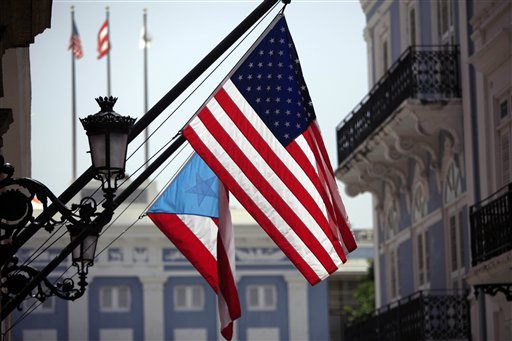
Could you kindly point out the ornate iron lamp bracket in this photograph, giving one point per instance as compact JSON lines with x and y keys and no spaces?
{"x":17,"y":214}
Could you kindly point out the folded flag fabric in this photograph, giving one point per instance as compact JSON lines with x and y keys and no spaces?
{"x":103,"y":40}
{"x":258,"y":133}
{"x":193,"y":212}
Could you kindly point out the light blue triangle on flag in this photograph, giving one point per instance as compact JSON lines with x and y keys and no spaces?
{"x":193,"y":191}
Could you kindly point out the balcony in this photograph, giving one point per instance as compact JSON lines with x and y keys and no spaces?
{"x":414,"y":106}
{"x":425,"y":315}
{"x":491,"y":226}
{"x":422,"y":72}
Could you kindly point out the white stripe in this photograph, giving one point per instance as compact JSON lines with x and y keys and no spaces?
{"x":332,"y":188}
{"x":103,"y":32}
{"x":204,"y":229}
{"x":274,"y":180}
{"x":274,"y":144}
{"x":226,"y":228}
{"x":258,"y":199}
{"x":104,"y":46}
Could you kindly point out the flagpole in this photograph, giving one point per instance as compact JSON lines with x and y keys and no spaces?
{"x":73,"y":102}
{"x":146,"y":131}
{"x":109,"y":93}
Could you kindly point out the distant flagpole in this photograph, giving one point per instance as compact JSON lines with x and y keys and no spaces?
{"x":145,"y":41}
{"x":109,"y":93}
{"x":75,"y":46}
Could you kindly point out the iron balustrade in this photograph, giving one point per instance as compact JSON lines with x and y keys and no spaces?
{"x":424,"y":315}
{"x":427,"y":73}
{"x":491,"y":226}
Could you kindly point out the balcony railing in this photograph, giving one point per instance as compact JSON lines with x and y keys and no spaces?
{"x":428,"y":73}
{"x":491,"y":226}
{"x":425,"y":315}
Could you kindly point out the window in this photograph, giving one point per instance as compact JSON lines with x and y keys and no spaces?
{"x":504,"y":150}
{"x":115,"y":298}
{"x":391,"y":221}
{"x":394,"y":274}
{"x":261,"y":297}
{"x":189,"y":298}
{"x":445,"y":21}
{"x":412,"y":26}
{"x":423,"y":259}
{"x":385,"y":59}
{"x":419,"y":205}
{"x":456,"y":240}
{"x":45,"y":307}
{"x":453,"y":183}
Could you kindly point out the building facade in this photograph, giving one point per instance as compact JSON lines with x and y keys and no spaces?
{"x":430,"y":141}
{"x":142,"y":288}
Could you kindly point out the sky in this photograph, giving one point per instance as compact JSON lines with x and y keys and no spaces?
{"x":328,"y":36}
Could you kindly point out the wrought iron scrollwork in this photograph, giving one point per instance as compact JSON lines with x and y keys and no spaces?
{"x":495,"y":288}
{"x":16,"y":215}
{"x":15,"y":277}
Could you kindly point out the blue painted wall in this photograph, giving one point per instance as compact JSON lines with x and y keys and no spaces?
{"x":406,"y":270}
{"x":269,"y":319}
{"x":436,"y":252}
{"x":383,"y":279}
{"x":318,"y":314}
{"x":133,"y":319}
{"x":204,"y":319}
{"x":58,"y":320}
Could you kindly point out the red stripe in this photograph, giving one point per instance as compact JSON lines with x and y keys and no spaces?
{"x":260,"y":217}
{"x":277,"y":165}
{"x":301,"y":158}
{"x":227,"y":283}
{"x":326,"y":172}
{"x":266,"y":189}
{"x":189,"y":245}
{"x":348,"y":237}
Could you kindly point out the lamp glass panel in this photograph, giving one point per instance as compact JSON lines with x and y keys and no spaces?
{"x":118,"y":142}
{"x":98,"y":151}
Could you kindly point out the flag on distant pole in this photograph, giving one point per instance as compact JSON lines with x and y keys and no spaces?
{"x":258,"y":133}
{"x":75,"y":45}
{"x":104,"y":46}
{"x":103,"y":40}
{"x":193,"y":212}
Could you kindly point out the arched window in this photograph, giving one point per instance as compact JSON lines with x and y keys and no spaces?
{"x":453,"y":183}
{"x":391,"y":221}
{"x":419,"y":202}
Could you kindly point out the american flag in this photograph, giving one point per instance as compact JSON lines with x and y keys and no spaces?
{"x":258,"y":133}
{"x":103,"y":40}
{"x":75,"y":45}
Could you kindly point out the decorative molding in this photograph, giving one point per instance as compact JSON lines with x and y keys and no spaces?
{"x":494,"y":288}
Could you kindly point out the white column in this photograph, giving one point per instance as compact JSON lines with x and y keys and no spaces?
{"x":153,"y":307}
{"x":78,"y":315}
{"x":298,"y":324}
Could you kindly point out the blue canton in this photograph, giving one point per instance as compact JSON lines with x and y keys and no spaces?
{"x":271,"y":81}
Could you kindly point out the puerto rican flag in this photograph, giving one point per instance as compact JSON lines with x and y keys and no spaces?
{"x":193,"y":212}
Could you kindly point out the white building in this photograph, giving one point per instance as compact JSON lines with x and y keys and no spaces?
{"x":142,"y":288}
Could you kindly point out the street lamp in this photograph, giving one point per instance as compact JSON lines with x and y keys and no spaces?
{"x":108,"y":138}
